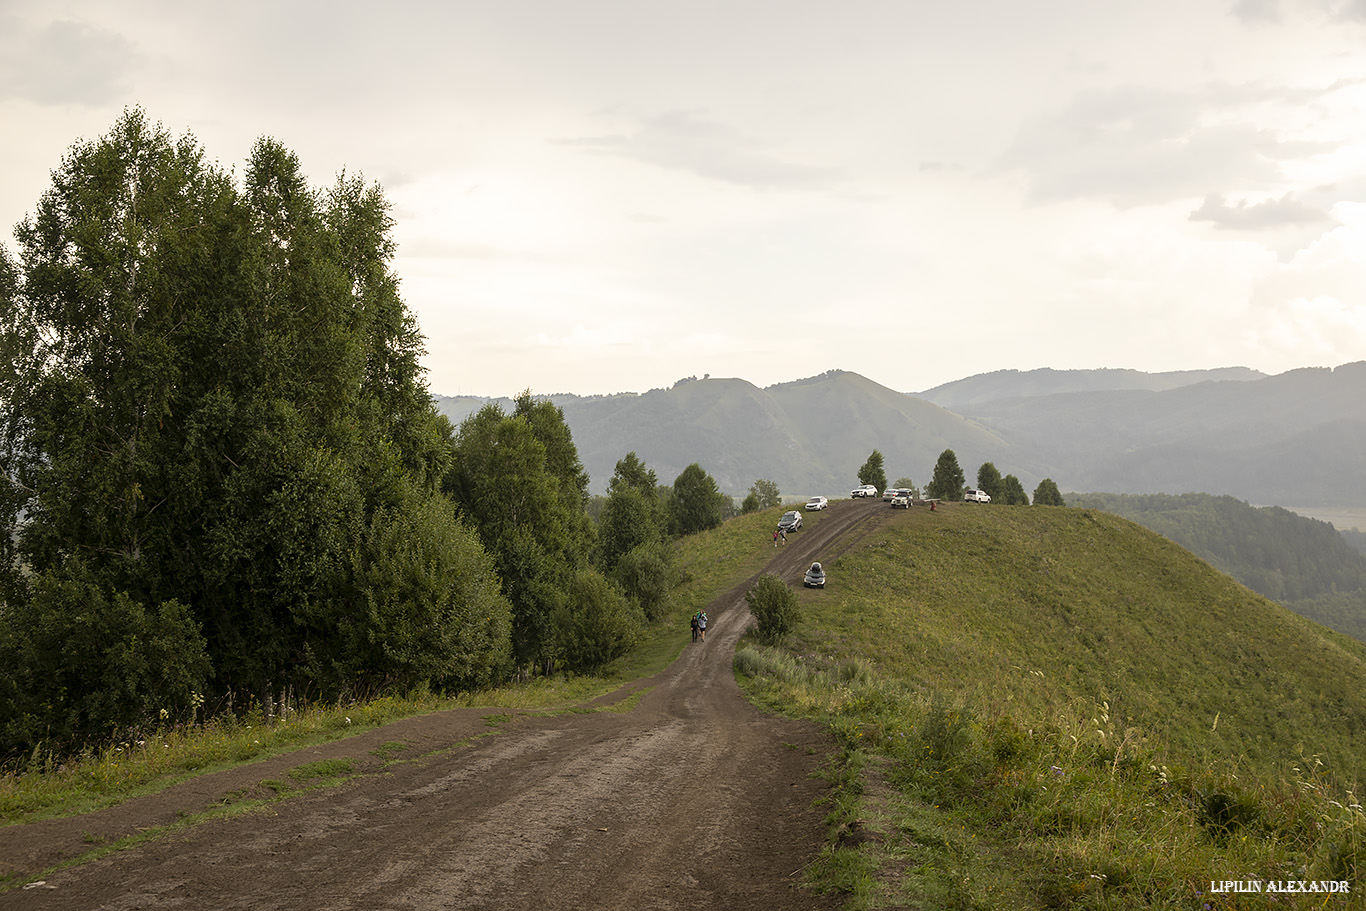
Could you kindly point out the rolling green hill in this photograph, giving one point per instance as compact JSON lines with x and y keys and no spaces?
{"x":1301,"y":563}
{"x":1045,"y":608}
{"x":1058,"y":708}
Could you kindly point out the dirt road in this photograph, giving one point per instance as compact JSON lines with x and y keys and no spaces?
{"x":692,"y":799}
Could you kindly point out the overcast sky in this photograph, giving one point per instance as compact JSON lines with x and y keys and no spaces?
{"x":607,"y":196}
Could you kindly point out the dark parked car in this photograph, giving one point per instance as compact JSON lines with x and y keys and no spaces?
{"x":791,"y":521}
{"x":815,"y":577}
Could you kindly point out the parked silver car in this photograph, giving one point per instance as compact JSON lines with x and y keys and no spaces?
{"x":815,"y":577}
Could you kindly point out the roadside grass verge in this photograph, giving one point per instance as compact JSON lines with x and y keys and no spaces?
{"x":135,"y":763}
{"x":939,"y":804}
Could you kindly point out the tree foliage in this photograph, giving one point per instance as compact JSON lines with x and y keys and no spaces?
{"x":989,"y":480}
{"x":504,"y":484}
{"x":947,"y":481}
{"x":595,"y":622}
{"x":632,"y":472}
{"x":763,"y":494}
{"x":633,"y":514}
{"x":1013,"y":492}
{"x":213,"y":394}
{"x":647,"y":574}
{"x":872,"y":471}
{"x":697,"y":503}
{"x":1047,"y":494}
{"x":82,"y":662}
{"x":774,"y":606}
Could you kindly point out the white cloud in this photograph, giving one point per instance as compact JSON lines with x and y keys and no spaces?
{"x":1136,"y":146}
{"x":1269,"y":213}
{"x":64,"y":62}
{"x":690,"y":141}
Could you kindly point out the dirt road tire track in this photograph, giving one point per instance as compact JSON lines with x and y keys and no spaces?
{"x":693,"y":799}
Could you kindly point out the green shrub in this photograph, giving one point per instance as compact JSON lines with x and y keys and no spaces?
{"x":81,"y":662}
{"x":595,"y":623}
{"x":647,"y":574}
{"x":774,"y":606}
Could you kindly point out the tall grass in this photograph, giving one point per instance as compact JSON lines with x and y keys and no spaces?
{"x":988,"y":809}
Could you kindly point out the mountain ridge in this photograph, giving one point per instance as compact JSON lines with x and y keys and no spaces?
{"x":1293,"y":438}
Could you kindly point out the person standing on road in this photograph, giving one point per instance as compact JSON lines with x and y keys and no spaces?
{"x":782,"y":533}
{"x":775,"y":537}
{"x":702,"y":625}
{"x":694,"y":626}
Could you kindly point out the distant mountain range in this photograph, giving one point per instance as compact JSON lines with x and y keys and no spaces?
{"x":1297,"y":438}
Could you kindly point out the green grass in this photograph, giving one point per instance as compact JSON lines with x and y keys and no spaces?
{"x":1054,"y":708}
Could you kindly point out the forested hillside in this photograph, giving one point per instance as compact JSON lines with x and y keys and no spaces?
{"x":1302,"y":563}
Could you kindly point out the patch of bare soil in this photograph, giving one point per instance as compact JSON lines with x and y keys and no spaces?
{"x":692,"y":799}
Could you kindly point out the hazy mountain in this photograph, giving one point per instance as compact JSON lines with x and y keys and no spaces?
{"x":1294,"y":439}
{"x":1297,"y":438}
{"x":1010,"y":384}
{"x":809,"y":436}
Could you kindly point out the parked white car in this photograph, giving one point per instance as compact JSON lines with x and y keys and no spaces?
{"x":867,"y":490}
{"x":902,"y":500}
{"x":977,"y":496}
{"x":817,"y":503}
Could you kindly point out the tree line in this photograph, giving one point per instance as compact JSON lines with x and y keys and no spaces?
{"x":224,"y":479}
{"x":949,"y":483}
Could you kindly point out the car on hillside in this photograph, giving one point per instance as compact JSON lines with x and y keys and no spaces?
{"x":902,"y":500}
{"x":976,"y":496}
{"x":815,"y":577}
{"x":817,"y":503}
{"x":791,"y":521}
{"x":867,"y":490}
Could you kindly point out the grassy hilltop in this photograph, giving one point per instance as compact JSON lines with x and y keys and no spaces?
{"x":1043,"y":609}
{"x":1059,"y":708}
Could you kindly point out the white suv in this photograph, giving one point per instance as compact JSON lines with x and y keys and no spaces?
{"x":867,"y":490}
{"x":977,"y":496}
{"x":817,"y":503}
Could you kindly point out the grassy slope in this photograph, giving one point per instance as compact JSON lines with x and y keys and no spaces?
{"x":1050,"y":608}
{"x":1056,"y":708}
